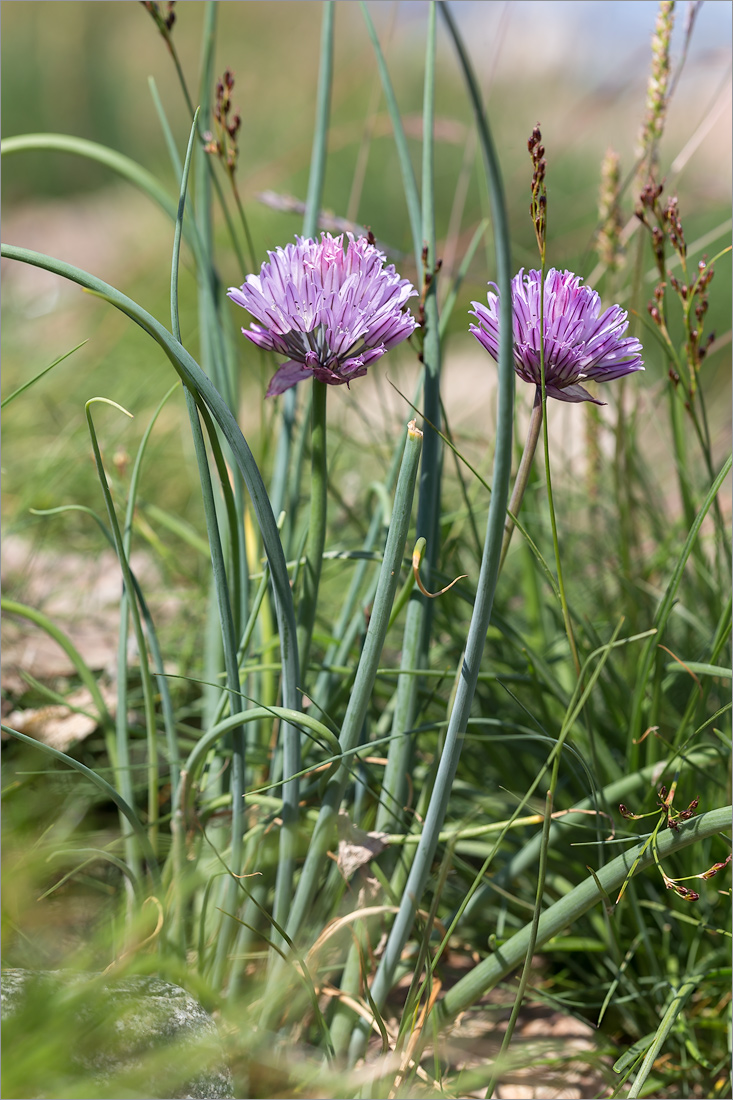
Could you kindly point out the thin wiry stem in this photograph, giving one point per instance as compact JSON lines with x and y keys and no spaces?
{"x":548,"y":478}
{"x":319,"y":481}
{"x":525,"y":465}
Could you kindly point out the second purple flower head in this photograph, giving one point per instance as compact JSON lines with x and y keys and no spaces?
{"x":580,"y":343}
{"x":332,"y":311}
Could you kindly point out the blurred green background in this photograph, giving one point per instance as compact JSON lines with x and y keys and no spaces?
{"x":580,"y":69}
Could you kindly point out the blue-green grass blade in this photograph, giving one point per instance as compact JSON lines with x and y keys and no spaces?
{"x":175,"y":323}
{"x":319,"y":482}
{"x":123,"y":750}
{"x":229,"y":643}
{"x":85,"y":674}
{"x":191,"y":373}
{"x":45,"y":692}
{"x":450,"y":301}
{"x":153,"y":643}
{"x":152,"y":637}
{"x":361,"y":692}
{"x":107,"y":789}
{"x":182,"y":530}
{"x":176,"y":329}
{"x":676,"y":1005}
{"x":699,"y":668}
{"x":578,"y":901}
{"x":223,"y":600}
{"x":92,"y":150}
{"x":320,"y":134}
{"x":233,"y":511}
{"x":170,"y":142}
{"x":419,"y":611}
{"x":489,"y":566}
{"x":92,"y":854}
{"x":316,"y":538}
{"x":321,"y":733}
{"x":664,"y":610}
{"x":32,"y":381}
{"x":409,"y":183}
{"x":350,"y":618}
{"x":428,"y":505}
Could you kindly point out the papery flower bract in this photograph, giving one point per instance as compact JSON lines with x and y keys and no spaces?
{"x":581,"y":344}
{"x":333,"y":312}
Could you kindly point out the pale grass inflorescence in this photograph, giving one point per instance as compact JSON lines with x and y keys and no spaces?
{"x":609,"y":242}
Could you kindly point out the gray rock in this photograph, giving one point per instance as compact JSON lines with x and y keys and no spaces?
{"x":131,"y":1031}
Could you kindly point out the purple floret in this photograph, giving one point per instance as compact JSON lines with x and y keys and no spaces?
{"x":331,"y":312}
{"x":581,"y":343}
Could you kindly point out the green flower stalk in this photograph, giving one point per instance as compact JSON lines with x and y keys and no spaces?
{"x":422,"y":863}
{"x":418,"y":619}
{"x":562,"y":323}
{"x":323,"y":832}
{"x":333,"y":312}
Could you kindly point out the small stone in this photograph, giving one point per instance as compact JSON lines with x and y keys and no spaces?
{"x":125,"y":1027}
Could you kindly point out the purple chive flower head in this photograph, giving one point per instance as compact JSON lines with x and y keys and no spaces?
{"x":581,"y":343}
{"x":332,"y":311}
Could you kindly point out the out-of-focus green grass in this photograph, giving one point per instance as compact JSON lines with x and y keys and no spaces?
{"x":72,"y":209}
{"x":89,"y":219}
{"x":272,"y":50}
